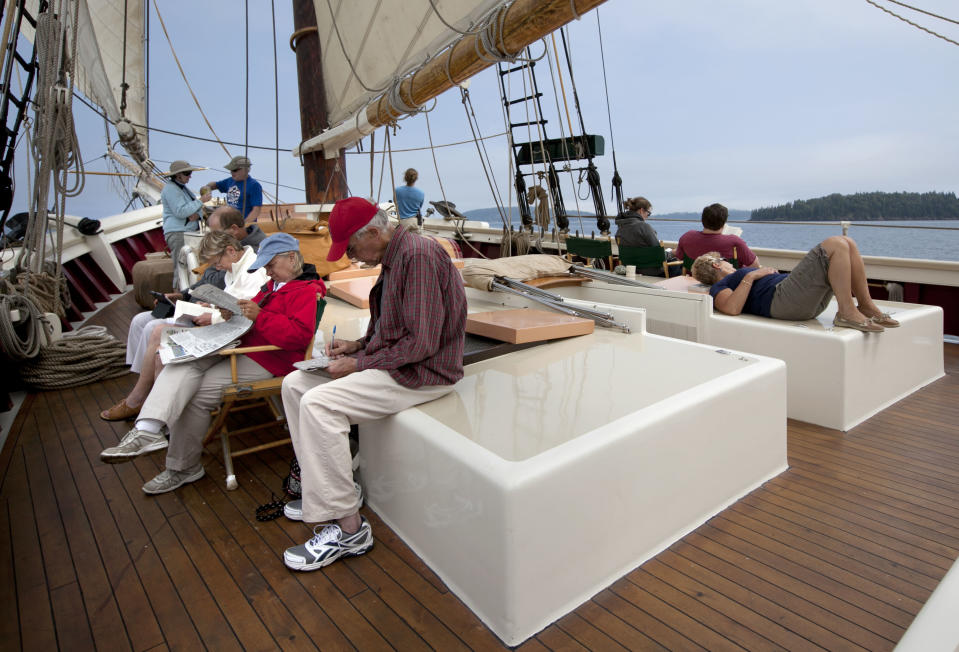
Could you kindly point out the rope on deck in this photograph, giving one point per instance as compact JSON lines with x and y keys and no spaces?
{"x":88,"y":355}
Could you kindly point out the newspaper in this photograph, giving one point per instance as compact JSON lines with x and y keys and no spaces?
{"x":217,"y":297}
{"x":185,"y":344}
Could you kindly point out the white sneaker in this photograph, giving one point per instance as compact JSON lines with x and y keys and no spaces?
{"x":327,"y":545}
{"x":293,"y":510}
{"x":169,"y":480}
{"x":134,"y":443}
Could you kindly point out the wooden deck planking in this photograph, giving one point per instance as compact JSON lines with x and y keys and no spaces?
{"x":839,"y":552}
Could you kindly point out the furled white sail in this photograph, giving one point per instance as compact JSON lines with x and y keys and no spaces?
{"x":105,"y":37}
{"x":366,"y":46}
{"x":382,"y":41}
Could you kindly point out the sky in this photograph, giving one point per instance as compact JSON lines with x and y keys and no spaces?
{"x":749,"y":103}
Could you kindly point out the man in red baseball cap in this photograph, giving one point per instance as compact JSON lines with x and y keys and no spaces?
{"x":412,"y":353}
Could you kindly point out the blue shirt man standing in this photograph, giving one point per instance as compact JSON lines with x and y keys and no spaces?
{"x":242,"y":191}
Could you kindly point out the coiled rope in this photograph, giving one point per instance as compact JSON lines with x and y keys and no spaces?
{"x":24,"y":342}
{"x":88,"y":355}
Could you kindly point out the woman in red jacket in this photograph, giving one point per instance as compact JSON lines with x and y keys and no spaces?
{"x":283,"y":314}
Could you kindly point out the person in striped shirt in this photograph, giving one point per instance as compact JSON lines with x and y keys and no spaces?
{"x":412,"y":353}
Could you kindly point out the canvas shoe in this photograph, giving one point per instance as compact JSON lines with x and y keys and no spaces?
{"x":134,"y":443}
{"x":293,"y":510}
{"x":327,"y":545}
{"x":169,"y":480}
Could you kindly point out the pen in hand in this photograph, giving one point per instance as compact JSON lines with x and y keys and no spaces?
{"x":333,"y":337}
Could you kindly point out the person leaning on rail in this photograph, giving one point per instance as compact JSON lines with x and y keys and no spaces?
{"x":283,"y":314}
{"x":834,"y":266}
{"x":412,"y":353}
{"x":409,"y":201}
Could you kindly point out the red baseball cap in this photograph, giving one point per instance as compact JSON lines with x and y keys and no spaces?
{"x":348,"y":216}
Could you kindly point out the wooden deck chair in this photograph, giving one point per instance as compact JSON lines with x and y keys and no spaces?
{"x":688,"y":262}
{"x":647,"y":257}
{"x":590,"y":249}
{"x":244,"y":396}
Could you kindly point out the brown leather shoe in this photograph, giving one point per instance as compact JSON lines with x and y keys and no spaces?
{"x":885,"y":320}
{"x":120,"y":412}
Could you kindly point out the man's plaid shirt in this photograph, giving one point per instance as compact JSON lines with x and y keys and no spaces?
{"x":417,"y":314}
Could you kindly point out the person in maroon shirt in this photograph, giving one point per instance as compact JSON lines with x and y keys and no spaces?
{"x":412,"y":353}
{"x":694,"y":244}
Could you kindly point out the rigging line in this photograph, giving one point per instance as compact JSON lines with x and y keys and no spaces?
{"x":336,"y":30}
{"x":464,"y":96}
{"x":609,"y":114}
{"x":372,"y":160}
{"x":276,"y":103}
{"x":916,"y":25}
{"x":443,"y":20}
{"x":540,"y":129}
{"x":177,"y":133}
{"x":379,"y":188}
{"x":392,"y":177}
{"x":552,"y":78}
{"x":183,"y":74}
{"x":246,"y":92}
{"x":479,"y":140}
{"x":562,"y":85}
{"x":923,"y":11}
{"x":123,"y":82}
{"x":457,"y":225}
{"x":419,"y":149}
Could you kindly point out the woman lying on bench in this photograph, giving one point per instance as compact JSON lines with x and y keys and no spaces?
{"x":834,"y":266}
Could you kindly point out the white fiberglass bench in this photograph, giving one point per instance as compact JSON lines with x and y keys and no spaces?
{"x":550,"y":472}
{"x":837,"y":377}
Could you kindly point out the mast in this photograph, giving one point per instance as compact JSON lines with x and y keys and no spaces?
{"x":325,"y":178}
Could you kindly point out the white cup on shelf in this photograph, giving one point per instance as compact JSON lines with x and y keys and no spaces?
{"x":630,"y":271}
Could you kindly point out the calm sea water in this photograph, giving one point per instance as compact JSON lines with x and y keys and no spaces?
{"x":873,"y":238}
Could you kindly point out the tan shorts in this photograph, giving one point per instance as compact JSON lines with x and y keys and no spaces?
{"x":806,"y":291}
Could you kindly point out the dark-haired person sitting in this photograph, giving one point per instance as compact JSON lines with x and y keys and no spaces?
{"x":694,"y":244}
{"x":632,"y":230}
{"x":834,"y":266}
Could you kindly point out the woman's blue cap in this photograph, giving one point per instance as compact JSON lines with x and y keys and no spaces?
{"x":278,"y":243}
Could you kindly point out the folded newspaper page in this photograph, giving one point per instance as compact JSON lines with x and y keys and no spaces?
{"x":217,"y":297}
{"x":185,"y":344}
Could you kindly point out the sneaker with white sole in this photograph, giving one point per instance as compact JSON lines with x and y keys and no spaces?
{"x":169,"y":480}
{"x":327,"y":545}
{"x":134,"y":443}
{"x":293,"y":510}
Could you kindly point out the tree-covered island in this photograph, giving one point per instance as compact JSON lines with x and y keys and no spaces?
{"x":865,"y":206}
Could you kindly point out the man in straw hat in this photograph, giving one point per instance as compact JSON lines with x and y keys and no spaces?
{"x":181,"y":210}
{"x":242,"y":191}
{"x":412,"y":353}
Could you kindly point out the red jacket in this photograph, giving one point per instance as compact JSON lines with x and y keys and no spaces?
{"x":287,"y":318}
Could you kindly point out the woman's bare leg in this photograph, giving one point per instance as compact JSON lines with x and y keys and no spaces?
{"x":860,"y":285}
{"x":841,"y":276}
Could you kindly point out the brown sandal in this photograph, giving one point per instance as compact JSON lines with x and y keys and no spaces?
{"x":120,"y":412}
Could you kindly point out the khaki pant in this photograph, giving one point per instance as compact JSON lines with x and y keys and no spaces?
{"x":183,"y":396}
{"x":319,"y":412}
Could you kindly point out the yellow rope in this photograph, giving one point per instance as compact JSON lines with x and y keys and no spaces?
{"x":562,"y":84}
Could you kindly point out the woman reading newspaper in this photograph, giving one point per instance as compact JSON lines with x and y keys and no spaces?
{"x":225,"y":253}
{"x":283,"y":314}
